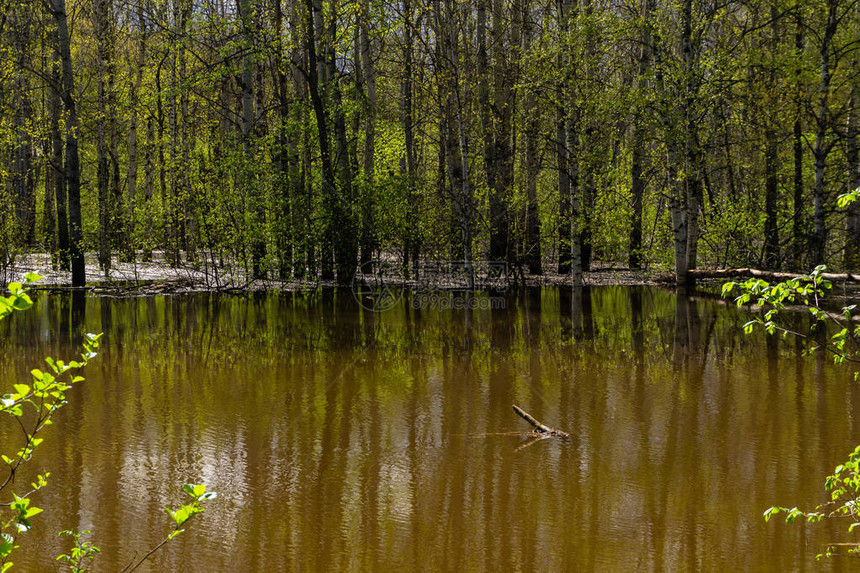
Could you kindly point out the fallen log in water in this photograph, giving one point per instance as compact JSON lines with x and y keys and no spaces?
{"x":538,"y":427}
{"x":766,"y":275}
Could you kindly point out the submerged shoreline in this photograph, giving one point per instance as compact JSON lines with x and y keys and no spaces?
{"x":159,"y":277}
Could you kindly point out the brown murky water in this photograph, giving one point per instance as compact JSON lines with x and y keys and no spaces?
{"x":346,"y":440}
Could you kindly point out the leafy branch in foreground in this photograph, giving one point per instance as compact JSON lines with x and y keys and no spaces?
{"x":180,"y":516}
{"x":844,"y":484}
{"x":844,"y":488}
{"x":31,"y":406}
{"x":809,"y":291}
{"x":82,"y":551}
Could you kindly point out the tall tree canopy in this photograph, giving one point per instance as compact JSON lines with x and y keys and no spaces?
{"x":301,"y":138}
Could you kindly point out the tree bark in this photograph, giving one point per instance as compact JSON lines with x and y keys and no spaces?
{"x":73,"y":172}
{"x":101,"y":9}
{"x":185,"y":192}
{"x":249,"y":181}
{"x":771,"y":157}
{"x":492,"y":123}
{"x":798,"y":220}
{"x":771,"y":233}
{"x":345,"y":233}
{"x":369,"y":239}
{"x":506,"y":40}
{"x":692,"y":155}
{"x":637,"y":180}
{"x":285,"y":154}
{"x":567,"y":126}
{"x":538,"y":426}
{"x":316,"y":84}
{"x":23,"y":173}
{"x":852,"y":239}
{"x":58,"y":179}
{"x":461,"y":175}
{"x":822,"y":144}
{"x":532,"y":163}
{"x":412,"y":243}
{"x":767,"y":274}
{"x":134,"y":90}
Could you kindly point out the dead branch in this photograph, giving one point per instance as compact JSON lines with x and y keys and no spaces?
{"x":766,"y":275}
{"x":538,"y":427}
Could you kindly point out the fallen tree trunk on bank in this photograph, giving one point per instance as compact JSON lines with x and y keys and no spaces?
{"x":538,"y":427}
{"x":765,"y":275}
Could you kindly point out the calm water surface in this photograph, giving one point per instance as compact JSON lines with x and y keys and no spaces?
{"x":346,"y":440}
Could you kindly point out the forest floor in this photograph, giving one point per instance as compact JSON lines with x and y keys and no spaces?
{"x":159,"y":277}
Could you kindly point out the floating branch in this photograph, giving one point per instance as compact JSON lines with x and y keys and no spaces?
{"x":538,"y":427}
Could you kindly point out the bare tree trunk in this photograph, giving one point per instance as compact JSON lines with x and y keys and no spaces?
{"x":563,"y":185}
{"x":149,"y":182}
{"x":412,"y":244}
{"x":563,"y":153}
{"x":51,"y":104}
{"x":164,"y":192}
{"x":568,"y":135}
{"x":369,"y":240}
{"x":118,"y":236}
{"x":677,"y":188}
{"x":852,"y":239}
{"x":73,"y":172}
{"x":505,"y":77}
{"x":23,"y":173}
{"x":692,"y":155}
{"x":637,"y":179}
{"x":345,"y":233}
{"x":798,"y":220}
{"x":459,"y":167}
{"x":532,"y":166}
{"x":186,"y":199}
{"x":822,"y":145}
{"x":170,"y":193}
{"x":100,"y":9}
{"x":303,"y":261}
{"x":771,"y":158}
{"x":317,"y":81}
{"x":284,"y":155}
{"x":587,"y":140}
{"x":488,"y":130}
{"x":57,"y":167}
{"x":134,"y":89}
{"x":255,"y":199}
{"x":575,"y":203}
{"x":771,"y":232}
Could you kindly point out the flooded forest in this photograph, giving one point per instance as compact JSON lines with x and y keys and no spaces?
{"x":358,"y":285}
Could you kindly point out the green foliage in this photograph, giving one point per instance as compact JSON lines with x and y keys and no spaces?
{"x":180,"y":517}
{"x":844,"y":484}
{"x":198,"y":494}
{"x":17,"y":299}
{"x":844,"y":489}
{"x":83,"y":551}
{"x":32,"y":406}
{"x":807,"y":290}
{"x":848,"y":198}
